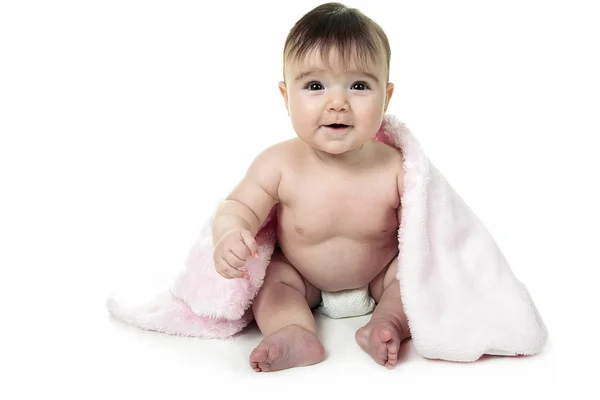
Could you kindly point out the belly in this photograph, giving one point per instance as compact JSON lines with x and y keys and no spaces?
{"x":331,"y":259}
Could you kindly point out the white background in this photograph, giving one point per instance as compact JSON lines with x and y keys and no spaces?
{"x":122,"y":122}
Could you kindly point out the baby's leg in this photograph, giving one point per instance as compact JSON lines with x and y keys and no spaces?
{"x":282,"y":310}
{"x":388,"y":327}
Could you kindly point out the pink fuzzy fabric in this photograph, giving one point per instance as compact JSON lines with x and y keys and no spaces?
{"x":460,"y":296}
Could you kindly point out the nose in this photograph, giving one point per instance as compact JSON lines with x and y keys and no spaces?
{"x":337,"y":101}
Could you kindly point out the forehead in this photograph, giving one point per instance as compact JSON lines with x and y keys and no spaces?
{"x":334,"y":60}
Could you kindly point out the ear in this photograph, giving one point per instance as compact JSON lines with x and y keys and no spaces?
{"x":389,"y":91}
{"x":283,"y":91}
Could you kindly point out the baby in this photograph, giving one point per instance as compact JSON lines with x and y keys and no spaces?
{"x":336,"y":190}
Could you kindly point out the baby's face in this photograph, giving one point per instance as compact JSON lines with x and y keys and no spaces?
{"x":316,"y":97}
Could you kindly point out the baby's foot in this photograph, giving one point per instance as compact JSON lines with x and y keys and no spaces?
{"x":381,"y":340}
{"x":292,"y":346}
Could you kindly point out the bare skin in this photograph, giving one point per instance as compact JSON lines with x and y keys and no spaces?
{"x":337,"y":230}
{"x":388,"y":328}
{"x":338,"y":209}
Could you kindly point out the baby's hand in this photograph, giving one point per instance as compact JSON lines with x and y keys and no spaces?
{"x":232,"y":251}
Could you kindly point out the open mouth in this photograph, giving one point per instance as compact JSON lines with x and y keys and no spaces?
{"x":337,"y":126}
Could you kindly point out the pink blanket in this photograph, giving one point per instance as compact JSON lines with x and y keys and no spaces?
{"x":460,"y":296}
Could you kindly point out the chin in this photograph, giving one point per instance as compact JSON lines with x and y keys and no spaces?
{"x":336,"y":148}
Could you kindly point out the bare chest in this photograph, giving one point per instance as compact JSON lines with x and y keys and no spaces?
{"x":317,"y":208}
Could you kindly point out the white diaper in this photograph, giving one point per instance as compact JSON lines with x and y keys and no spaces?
{"x":346,"y":303}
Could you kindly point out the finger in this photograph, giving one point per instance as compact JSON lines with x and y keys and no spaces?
{"x":236,"y":273}
{"x":234,"y":261}
{"x":251,"y":243}
{"x":240,"y":250}
{"x":220,"y":270}
{"x":225,"y":275}
{"x":232,"y":271}
{"x":234,"y":253}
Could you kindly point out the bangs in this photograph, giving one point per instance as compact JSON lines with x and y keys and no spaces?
{"x":353,"y":55}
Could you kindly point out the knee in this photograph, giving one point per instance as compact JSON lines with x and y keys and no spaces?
{"x":279,"y":280}
{"x":265,"y":294}
{"x":280,"y":272}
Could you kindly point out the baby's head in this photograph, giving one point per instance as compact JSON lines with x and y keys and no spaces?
{"x":336,"y":71}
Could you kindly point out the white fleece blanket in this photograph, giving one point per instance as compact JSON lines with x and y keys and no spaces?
{"x":460,"y":296}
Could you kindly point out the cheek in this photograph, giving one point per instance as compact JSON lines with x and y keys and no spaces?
{"x":369,"y":107}
{"x":304,"y":106}
{"x":295,"y":102}
{"x":370,"y":114}
{"x":300,"y":114}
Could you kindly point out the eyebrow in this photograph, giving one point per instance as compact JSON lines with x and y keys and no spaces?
{"x":314,"y":71}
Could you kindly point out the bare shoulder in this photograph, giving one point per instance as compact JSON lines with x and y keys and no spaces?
{"x":266,"y":168}
{"x":287,"y":153}
{"x":393,"y":160}
{"x":276,"y":156}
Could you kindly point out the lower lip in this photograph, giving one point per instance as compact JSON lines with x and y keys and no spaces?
{"x":336,"y":131}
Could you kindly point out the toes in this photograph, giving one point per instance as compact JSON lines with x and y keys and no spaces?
{"x":264,"y":367}
{"x":382,"y":354}
{"x":263,"y":357}
{"x":258,"y":358}
{"x":393,"y":346}
{"x":255,"y":366}
{"x":291,"y":347}
{"x":385,"y":335}
{"x":378,"y":348}
{"x":258,"y":355}
{"x":392,"y":355}
{"x":379,"y":338}
{"x":384,"y":345}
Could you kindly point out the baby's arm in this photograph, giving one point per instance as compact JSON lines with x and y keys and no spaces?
{"x":250,"y":202}
{"x":244,"y":211}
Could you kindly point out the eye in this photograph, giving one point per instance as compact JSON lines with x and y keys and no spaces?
{"x":314,"y":86}
{"x":360,"y":86}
